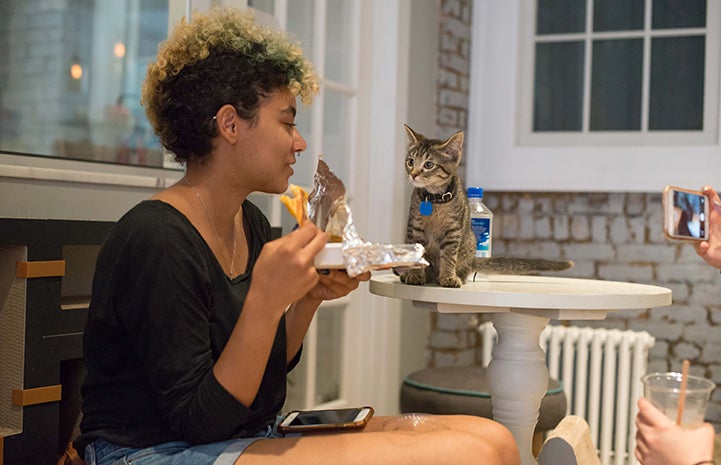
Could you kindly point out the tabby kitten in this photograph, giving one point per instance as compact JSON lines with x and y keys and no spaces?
{"x":439,"y":218}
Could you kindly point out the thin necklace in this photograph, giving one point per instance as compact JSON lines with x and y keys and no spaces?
{"x":215,"y":233}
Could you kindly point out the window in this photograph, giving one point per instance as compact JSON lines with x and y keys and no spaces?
{"x":634,"y":69}
{"x":71,"y":80}
{"x":575,"y":95}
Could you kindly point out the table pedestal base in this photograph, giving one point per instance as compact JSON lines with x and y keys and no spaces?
{"x":518,"y":376}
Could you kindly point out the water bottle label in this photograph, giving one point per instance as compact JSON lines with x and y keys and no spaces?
{"x":482,"y":231}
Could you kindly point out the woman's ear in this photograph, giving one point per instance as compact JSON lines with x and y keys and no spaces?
{"x":228,"y":120}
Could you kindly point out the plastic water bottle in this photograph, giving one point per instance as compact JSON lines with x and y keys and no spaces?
{"x":481,"y":221}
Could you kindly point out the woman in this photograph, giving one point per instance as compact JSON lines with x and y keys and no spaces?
{"x":196,"y":316}
{"x":659,"y":441}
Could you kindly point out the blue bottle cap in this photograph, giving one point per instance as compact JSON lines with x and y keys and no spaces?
{"x":475,"y":192}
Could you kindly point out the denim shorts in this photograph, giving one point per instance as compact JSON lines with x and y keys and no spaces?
{"x":101,"y":452}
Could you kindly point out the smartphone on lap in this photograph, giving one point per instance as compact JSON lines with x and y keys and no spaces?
{"x":306,"y":421}
{"x":685,"y":214}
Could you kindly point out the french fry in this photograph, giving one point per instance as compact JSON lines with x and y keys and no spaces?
{"x":296,"y":203}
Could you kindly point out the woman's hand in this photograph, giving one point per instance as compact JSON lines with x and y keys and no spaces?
{"x":336,"y":283}
{"x":284,"y":272}
{"x":659,"y":441}
{"x":710,"y":250}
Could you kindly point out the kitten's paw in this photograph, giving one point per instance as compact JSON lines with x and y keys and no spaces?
{"x":414,"y":277}
{"x":450,"y":281}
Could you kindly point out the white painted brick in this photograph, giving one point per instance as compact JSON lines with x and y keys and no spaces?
{"x":685,"y":350}
{"x":661,"y":330}
{"x":509,"y":203}
{"x":705,"y":294}
{"x":510,"y":226}
{"x":581,"y":269}
{"x":447,"y":340}
{"x":626,"y":273}
{"x":715,"y":316}
{"x":457,"y":29}
{"x":658,"y":350}
{"x":455,"y":63}
{"x":710,"y":352}
{"x":451,"y":8}
{"x":527,"y":230}
{"x":447,"y":79}
{"x":451,"y":321}
{"x":599,"y":228}
{"x":451,"y":98}
{"x":679,"y":272}
{"x":635,"y":204}
{"x":525,"y":205}
{"x":579,"y":252}
{"x":542,"y":228}
{"x":700,"y":333}
{"x":580,"y":228}
{"x":561,"y":230}
{"x":618,"y":230}
{"x":637,"y":230}
{"x":681,"y":313}
{"x":453,"y":358}
{"x":546,"y":249}
{"x":645,"y":253}
{"x":447,"y":116}
{"x":657,"y":365}
{"x":543,"y":204}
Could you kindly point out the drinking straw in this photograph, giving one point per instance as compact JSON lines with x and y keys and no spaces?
{"x":682,"y":393}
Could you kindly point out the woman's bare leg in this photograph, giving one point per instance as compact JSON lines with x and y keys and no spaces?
{"x":455,"y":440}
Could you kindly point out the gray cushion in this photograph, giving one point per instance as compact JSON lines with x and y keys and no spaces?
{"x":453,"y":390}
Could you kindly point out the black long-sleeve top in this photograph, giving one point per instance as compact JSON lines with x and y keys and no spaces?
{"x":161,"y":312}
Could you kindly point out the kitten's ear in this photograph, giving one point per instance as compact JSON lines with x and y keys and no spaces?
{"x":412,"y":136}
{"x":454,"y":146}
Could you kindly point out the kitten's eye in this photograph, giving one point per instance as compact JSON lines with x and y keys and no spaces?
{"x":429,"y":165}
{"x":409,"y":162}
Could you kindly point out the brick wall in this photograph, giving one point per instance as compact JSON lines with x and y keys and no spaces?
{"x":612,"y":236}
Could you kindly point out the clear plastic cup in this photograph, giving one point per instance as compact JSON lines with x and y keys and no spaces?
{"x":664,"y":389}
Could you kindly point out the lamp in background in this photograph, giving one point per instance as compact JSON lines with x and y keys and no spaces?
{"x":119,"y":49}
{"x":76,"y":70}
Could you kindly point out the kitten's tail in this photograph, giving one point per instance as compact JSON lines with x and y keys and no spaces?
{"x":513,"y":265}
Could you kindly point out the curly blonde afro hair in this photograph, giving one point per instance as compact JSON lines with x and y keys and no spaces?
{"x":222,"y":57}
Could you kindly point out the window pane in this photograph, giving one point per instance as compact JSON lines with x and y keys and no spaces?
{"x":265,"y":6}
{"x":678,"y":13}
{"x":300,"y":24}
{"x":618,"y":15}
{"x":677,"y":83}
{"x":336,"y":133}
{"x":338,"y":46}
{"x":71,"y":82}
{"x":560,"y":16}
{"x":558,"y":87}
{"x":616,"y":84}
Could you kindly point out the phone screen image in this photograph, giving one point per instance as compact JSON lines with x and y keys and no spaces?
{"x":320,"y":417}
{"x":689,"y":214}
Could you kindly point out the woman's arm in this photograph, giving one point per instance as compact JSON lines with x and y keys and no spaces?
{"x":283,"y":274}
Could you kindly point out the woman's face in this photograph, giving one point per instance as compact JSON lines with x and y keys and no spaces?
{"x":271,"y":144}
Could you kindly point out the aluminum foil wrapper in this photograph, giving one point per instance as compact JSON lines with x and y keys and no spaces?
{"x":329,"y":210}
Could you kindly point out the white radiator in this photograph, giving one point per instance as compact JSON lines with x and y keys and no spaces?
{"x":601,"y":372}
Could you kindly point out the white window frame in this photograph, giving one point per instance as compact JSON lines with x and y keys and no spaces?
{"x":500,"y":157}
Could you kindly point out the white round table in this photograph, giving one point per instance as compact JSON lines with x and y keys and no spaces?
{"x":520,"y":308}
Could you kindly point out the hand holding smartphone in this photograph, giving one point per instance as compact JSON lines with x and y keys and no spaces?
{"x":685,"y":214}
{"x":305,"y":421}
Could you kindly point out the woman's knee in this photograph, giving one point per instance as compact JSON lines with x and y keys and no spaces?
{"x":491,"y":433}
